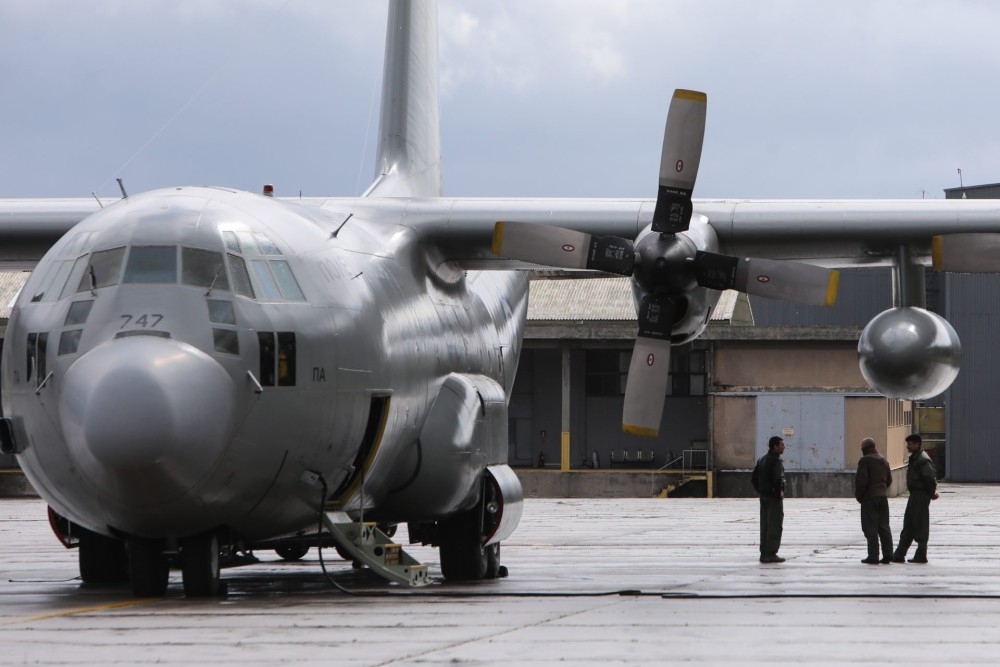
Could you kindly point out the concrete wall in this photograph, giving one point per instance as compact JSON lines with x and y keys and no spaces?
{"x":748,"y":366}
{"x":593,"y":484}
{"x":733,"y":427}
{"x":736,"y":484}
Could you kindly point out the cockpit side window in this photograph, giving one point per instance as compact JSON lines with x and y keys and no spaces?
{"x":232,"y":244}
{"x":79,"y":243}
{"x":286,"y":280}
{"x":265,"y":280}
{"x":203,"y":268}
{"x":248,"y":243}
{"x":265,"y":244}
{"x":79,"y":266}
{"x":241,"y":279}
{"x":104,"y":269}
{"x":52,"y":282}
{"x":151,"y":264}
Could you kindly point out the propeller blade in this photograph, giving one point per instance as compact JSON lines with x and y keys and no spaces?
{"x":682,"y":142}
{"x":966,"y":253}
{"x":649,"y":371}
{"x":564,"y":248}
{"x":789,"y":281}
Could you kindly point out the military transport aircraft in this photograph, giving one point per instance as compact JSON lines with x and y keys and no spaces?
{"x":193,"y":370}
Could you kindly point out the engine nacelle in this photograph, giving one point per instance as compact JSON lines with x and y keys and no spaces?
{"x":909,"y":353}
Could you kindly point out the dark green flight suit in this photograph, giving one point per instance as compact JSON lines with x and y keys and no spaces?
{"x":871,"y":488}
{"x":768,"y":480}
{"x":921,"y":480}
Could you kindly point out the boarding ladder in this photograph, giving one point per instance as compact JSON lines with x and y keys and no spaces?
{"x":365,"y":543}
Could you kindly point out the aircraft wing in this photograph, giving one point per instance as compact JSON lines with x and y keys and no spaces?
{"x":831,"y":233}
{"x":29,"y":227}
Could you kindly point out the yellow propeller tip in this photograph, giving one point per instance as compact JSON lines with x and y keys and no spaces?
{"x":497,"y":245}
{"x":831,"y":288}
{"x":937,"y":252}
{"x":642,"y":431}
{"x":694,"y":95}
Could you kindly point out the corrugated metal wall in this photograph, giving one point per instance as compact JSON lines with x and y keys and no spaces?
{"x":972,"y":417}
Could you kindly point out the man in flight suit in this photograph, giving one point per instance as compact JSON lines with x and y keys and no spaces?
{"x":921,"y":480}
{"x":871,"y":488}
{"x":768,"y":480}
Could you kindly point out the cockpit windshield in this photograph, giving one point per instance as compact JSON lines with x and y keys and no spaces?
{"x":255,"y":277}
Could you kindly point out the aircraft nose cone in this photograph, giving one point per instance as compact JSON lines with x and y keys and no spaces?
{"x":146,"y":417}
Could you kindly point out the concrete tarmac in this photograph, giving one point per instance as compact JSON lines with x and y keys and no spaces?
{"x":592,"y":582}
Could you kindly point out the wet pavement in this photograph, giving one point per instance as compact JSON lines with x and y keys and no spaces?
{"x":607,"y":581}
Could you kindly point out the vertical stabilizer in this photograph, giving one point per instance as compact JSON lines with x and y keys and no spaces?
{"x":409,"y":148}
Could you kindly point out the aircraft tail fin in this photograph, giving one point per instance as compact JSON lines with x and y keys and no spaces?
{"x":408,"y":163}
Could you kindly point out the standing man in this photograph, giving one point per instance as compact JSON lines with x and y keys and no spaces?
{"x":871,"y":488}
{"x":921,"y":480}
{"x":768,"y":480}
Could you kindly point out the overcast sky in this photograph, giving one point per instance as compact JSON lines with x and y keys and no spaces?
{"x":845,"y":98}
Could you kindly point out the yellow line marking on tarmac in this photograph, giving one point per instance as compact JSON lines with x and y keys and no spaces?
{"x":81,"y":610}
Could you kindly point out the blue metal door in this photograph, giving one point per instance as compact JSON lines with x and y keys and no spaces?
{"x":812,"y":426}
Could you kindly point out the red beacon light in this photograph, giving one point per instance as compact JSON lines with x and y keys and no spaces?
{"x":268,"y":190}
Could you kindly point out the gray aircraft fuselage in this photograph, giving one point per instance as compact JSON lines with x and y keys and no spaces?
{"x":227,"y":348}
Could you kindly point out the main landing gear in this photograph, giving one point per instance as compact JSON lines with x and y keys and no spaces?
{"x":146,"y":564}
{"x":149,"y":566}
{"x":464,"y":556}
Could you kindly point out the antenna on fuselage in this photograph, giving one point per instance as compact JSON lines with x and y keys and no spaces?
{"x":121,"y":186}
{"x":98,"y":199}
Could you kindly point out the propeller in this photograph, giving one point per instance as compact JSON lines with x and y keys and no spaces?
{"x":665,"y":264}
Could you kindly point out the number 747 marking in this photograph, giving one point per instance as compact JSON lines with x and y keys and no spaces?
{"x":145,"y":321}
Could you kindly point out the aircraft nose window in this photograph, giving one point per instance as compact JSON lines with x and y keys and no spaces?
{"x":226,"y":341}
{"x":69,"y":341}
{"x":221,"y":312}
{"x":151,"y":264}
{"x":78,"y":312}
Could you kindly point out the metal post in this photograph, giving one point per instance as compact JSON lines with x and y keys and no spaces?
{"x":907,"y":280}
{"x":564,"y":455}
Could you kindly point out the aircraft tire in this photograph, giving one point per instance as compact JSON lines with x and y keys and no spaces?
{"x":103,"y":560}
{"x":148,"y":568}
{"x":463,"y":557}
{"x":200,"y":565}
{"x":292,"y":551}
{"x":493,"y":561}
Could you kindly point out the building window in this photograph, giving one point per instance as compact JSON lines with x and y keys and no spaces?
{"x":898,"y":413}
{"x":687,"y":374}
{"x":607,"y":373}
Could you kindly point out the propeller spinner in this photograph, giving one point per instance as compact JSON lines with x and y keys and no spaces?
{"x":665,"y":264}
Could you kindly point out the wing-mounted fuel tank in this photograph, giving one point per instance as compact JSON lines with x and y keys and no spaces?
{"x":909,"y":353}
{"x":464,"y":433}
